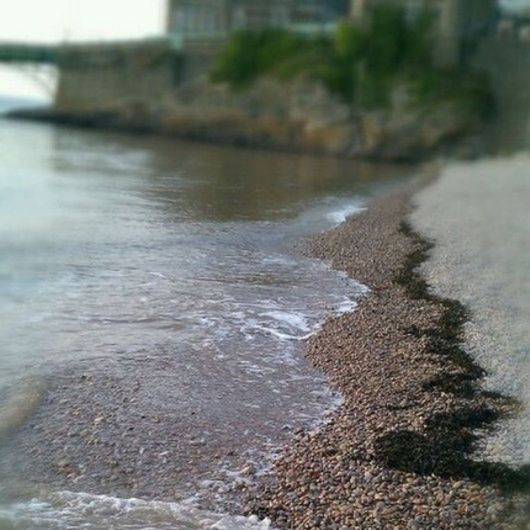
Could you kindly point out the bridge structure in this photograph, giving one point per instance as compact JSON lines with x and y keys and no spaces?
{"x":37,"y":61}
{"x":35,"y":54}
{"x":96,"y":72}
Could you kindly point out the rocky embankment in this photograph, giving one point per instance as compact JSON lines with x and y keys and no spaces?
{"x":399,"y":452}
{"x":300,"y":116}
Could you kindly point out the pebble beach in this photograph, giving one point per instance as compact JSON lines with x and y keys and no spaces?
{"x":429,"y":427}
{"x":401,"y":452}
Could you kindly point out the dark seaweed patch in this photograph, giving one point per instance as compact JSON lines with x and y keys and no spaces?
{"x":445,"y":446}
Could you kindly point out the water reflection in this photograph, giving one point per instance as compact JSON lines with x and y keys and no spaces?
{"x":221,"y":183}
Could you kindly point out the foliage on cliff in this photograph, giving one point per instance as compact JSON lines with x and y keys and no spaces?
{"x":360,"y":64}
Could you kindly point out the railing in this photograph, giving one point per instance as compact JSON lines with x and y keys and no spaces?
{"x":28,"y":53}
{"x":46,"y":54}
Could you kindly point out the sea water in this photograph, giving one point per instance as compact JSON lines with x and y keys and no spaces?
{"x":117,"y":252}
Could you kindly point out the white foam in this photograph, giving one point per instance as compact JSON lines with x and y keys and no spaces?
{"x":339,"y":216}
{"x":276,"y":333}
{"x":293,"y":320}
{"x":68,"y":511}
{"x":347,"y":306}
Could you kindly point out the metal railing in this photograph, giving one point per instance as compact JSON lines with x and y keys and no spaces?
{"x":28,"y":53}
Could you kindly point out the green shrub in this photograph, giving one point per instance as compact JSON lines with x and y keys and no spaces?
{"x":360,"y":64}
{"x":248,"y":55}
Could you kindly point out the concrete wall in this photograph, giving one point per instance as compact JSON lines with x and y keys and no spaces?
{"x":508,"y":64}
{"x":96,"y":77}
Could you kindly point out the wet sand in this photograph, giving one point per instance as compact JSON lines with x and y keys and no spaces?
{"x":128,"y":432}
{"x":399,"y":453}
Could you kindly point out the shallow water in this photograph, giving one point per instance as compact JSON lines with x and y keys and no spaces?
{"x":124,"y":255}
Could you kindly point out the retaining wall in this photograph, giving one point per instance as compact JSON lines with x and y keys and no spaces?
{"x":102,"y":76}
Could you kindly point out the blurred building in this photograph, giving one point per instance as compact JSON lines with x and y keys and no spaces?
{"x":198,"y":17}
{"x":189,"y":18}
{"x":515,"y":25}
{"x":458,"y":22}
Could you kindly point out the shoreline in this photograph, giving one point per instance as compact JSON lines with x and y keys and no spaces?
{"x":399,"y":452}
{"x":120,"y":426}
{"x":265,"y":133}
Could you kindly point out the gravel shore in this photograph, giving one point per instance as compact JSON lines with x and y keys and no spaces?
{"x":398,"y":454}
{"x":479,"y":215}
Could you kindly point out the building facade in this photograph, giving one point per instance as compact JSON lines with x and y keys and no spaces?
{"x":195,"y":17}
{"x":189,"y":18}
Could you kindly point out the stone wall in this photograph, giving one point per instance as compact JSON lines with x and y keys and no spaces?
{"x":142,"y":88}
{"x":303,"y":116}
{"x":99,"y":76}
{"x":297,"y":116}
